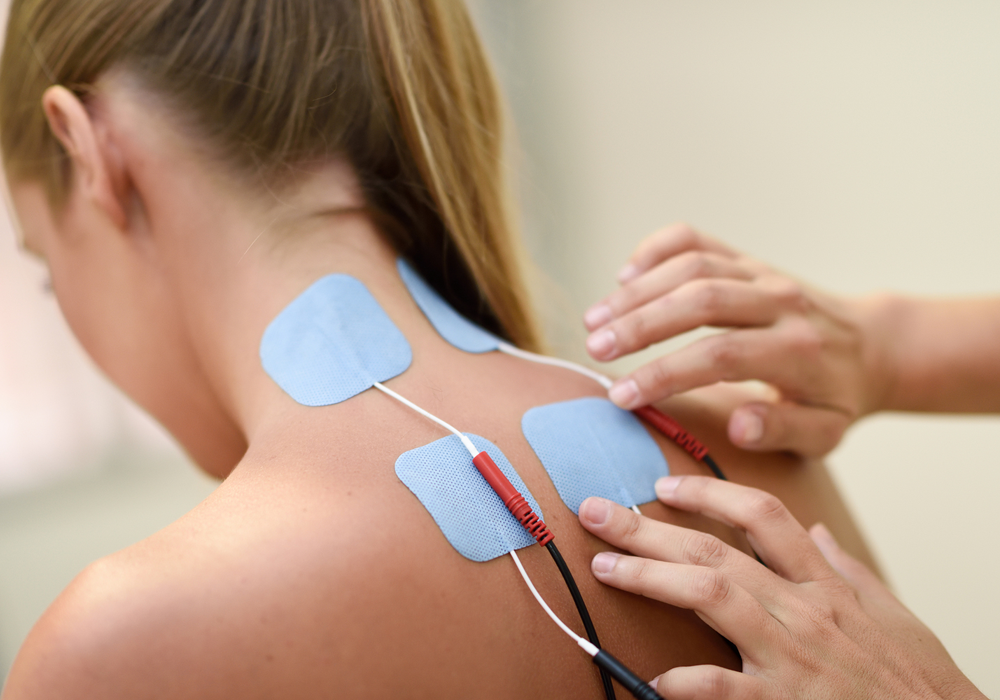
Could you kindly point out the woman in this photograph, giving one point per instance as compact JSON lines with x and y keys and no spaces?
{"x":186,"y":169}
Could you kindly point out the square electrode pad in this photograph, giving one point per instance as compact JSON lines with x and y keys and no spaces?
{"x":333,"y":342}
{"x":590,"y":447}
{"x":470,"y":514}
{"x":450,"y":325}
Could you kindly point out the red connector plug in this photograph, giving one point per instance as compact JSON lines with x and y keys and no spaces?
{"x":512,"y":499}
{"x":673,"y":430}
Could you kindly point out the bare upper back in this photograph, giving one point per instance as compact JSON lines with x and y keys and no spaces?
{"x":314,"y":572}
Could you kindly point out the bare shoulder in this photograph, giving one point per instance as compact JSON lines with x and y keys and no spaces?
{"x":214,"y":606}
{"x":94,"y":641}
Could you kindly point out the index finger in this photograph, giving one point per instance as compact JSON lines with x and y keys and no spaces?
{"x":779,"y":539}
{"x":667,"y":243}
{"x":665,"y":542}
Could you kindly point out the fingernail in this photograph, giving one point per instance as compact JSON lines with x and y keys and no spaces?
{"x":749,"y":427}
{"x":665,"y":487}
{"x":628,"y":272}
{"x":653,"y":683}
{"x":624,"y":393}
{"x":602,"y":343}
{"x":604,"y":562}
{"x":597,"y":316}
{"x":595,"y":510}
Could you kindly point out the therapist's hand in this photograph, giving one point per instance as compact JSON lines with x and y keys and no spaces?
{"x":818,"y":351}
{"x":815,"y":624}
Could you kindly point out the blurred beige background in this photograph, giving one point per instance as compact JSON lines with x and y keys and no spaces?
{"x":854,"y":144}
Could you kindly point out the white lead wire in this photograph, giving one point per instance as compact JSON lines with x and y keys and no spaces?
{"x":555,"y":362}
{"x":583,"y":643}
{"x":515,"y":352}
{"x":447,"y":426}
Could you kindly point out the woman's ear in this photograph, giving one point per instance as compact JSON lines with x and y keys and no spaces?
{"x":98,"y":163}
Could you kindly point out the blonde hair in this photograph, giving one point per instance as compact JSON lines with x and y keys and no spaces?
{"x":402,"y":88}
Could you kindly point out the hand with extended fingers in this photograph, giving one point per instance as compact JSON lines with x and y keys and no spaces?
{"x":815,"y":623}
{"x":813,"y":348}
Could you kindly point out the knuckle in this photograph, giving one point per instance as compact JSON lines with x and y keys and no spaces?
{"x":821,"y":616}
{"x":723,"y":352}
{"x":712,"y":683}
{"x":623,"y":299}
{"x":790,"y":294}
{"x":711,"y":587}
{"x":708,"y":296}
{"x":765,"y":508}
{"x":671,"y":237}
{"x":706,"y":550}
{"x":654,"y":377}
{"x":682,"y":233}
{"x":632,"y":331}
{"x":629,"y":527}
{"x":694,"y":265}
{"x":805,"y":340}
{"x":641,"y":574}
{"x":675,"y":237}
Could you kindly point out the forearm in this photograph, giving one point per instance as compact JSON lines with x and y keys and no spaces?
{"x":932,"y":355}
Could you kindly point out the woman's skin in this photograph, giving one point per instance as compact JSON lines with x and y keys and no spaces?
{"x":312,"y":571}
{"x":831,"y":360}
{"x":816,"y":623}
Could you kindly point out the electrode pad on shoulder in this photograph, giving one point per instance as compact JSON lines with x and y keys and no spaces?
{"x":470,"y":514}
{"x":590,"y":447}
{"x":333,"y":342}
{"x":450,"y":325}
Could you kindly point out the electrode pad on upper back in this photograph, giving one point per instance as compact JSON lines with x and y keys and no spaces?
{"x":470,"y":514}
{"x":450,"y":325}
{"x":333,"y":342}
{"x":590,"y":447}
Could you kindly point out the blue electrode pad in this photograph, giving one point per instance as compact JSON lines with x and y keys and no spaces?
{"x":590,"y":447}
{"x":451,"y":325}
{"x":333,"y":342}
{"x":470,"y":514}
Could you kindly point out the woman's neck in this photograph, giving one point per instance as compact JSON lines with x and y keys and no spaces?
{"x":235,"y":272}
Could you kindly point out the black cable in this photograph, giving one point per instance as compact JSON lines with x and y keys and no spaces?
{"x":710,"y":463}
{"x":639,"y":688}
{"x":607,"y":664}
{"x":581,"y":607}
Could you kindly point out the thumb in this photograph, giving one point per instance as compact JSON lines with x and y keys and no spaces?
{"x":806,"y":430}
